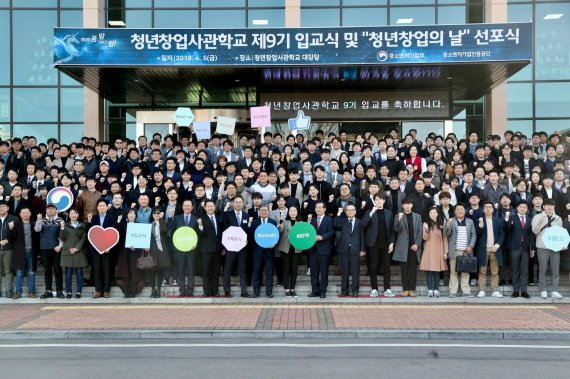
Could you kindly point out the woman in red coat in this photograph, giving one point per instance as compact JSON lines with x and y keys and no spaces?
{"x":418,"y":162}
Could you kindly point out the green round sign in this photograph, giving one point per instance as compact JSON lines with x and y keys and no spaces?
{"x":302,"y":236}
{"x":185,"y":239}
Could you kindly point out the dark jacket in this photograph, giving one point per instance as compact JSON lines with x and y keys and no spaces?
{"x":325,"y":230}
{"x":351,"y":240}
{"x":498,"y":235}
{"x":519,"y":237}
{"x":19,"y":254}
{"x":210,"y":237}
{"x":371,"y":227}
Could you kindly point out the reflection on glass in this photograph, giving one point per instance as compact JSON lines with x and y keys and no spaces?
{"x":519,"y":102}
{"x":551,"y":126}
{"x":452,"y":15}
{"x":71,"y":104}
{"x":266,"y":18}
{"x":35,"y":104}
{"x":176,"y":19}
{"x":552,"y":100}
{"x":320,"y":3}
{"x":423,"y":128}
{"x":523,"y":126}
{"x":552,"y":44}
{"x":412,"y":16}
{"x":138,"y":3}
{"x":71,"y":133}
{"x":138,"y":19}
{"x":364,"y":17}
{"x":71,"y":19}
{"x":4,"y":105}
{"x":41,"y":131}
{"x":222,"y":3}
{"x":71,"y":3}
{"x":34,"y":3}
{"x":363,"y":2}
{"x":4,"y":131}
{"x":33,"y":51}
{"x":175,"y":3}
{"x":223,"y":19}
{"x":320,"y":17}
{"x":411,"y":2}
{"x":4,"y":47}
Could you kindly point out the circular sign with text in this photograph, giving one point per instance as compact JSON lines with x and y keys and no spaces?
{"x":302,"y":236}
{"x":266,"y":235}
{"x":185,"y":239}
{"x":555,"y":238}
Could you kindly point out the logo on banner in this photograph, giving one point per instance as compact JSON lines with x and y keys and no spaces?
{"x":62,"y":198}
{"x":382,"y":56}
{"x":301,"y":122}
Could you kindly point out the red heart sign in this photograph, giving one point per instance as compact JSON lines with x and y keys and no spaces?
{"x":103,"y":239}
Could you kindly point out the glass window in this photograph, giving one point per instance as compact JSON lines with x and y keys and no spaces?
{"x":523,"y":126}
{"x":519,"y":102}
{"x":131,"y":131}
{"x":452,"y":15}
{"x":41,"y":131}
{"x":71,"y":104}
{"x":71,"y":19}
{"x":35,"y":104}
{"x":459,"y":128}
{"x":552,"y":99}
{"x":266,"y":18}
{"x":138,"y":19}
{"x":410,"y":2}
{"x":552,"y":45}
{"x":34,"y":3}
{"x":223,"y":3}
{"x":223,"y":18}
{"x":4,"y":105}
{"x":71,"y":133}
{"x":4,"y":47}
{"x":320,"y":3}
{"x":266,"y":3}
{"x":520,"y":13}
{"x":4,"y":3}
{"x":320,"y":17}
{"x":551,"y":126}
{"x":176,"y":19}
{"x":4,"y":131}
{"x":412,"y":16}
{"x":363,"y":2}
{"x":175,"y":3}
{"x":423,"y":128}
{"x":364,"y":16}
{"x":138,"y":3}
{"x":453,"y":1}
{"x":71,"y":3}
{"x":33,"y":52}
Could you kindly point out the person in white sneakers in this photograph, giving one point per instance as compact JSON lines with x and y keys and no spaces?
{"x":540,"y":223}
{"x":490,"y":236}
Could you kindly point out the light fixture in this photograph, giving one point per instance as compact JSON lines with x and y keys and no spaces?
{"x":260,"y":22}
{"x":237,"y":80}
{"x":553,"y":16}
{"x":117,"y":23}
{"x":405,"y":21}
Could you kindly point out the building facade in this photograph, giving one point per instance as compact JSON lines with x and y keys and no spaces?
{"x":36,"y":99}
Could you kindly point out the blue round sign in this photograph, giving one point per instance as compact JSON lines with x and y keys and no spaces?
{"x":266,"y":235}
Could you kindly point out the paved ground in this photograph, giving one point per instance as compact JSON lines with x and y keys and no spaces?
{"x":295,"y":359}
{"x":273,"y":317}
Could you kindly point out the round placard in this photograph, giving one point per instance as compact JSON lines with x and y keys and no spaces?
{"x":185,"y":239}
{"x":266,"y":235}
{"x":302,"y":235}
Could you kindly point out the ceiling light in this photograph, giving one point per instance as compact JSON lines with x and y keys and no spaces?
{"x":553,"y":16}
{"x":260,"y":22}
{"x":117,"y":23}
{"x":405,"y":21}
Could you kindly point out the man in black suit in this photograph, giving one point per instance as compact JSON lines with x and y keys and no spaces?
{"x":262,"y":255}
{"x":236,"y":217}
{"x":101,"y":263}
{"x":320,"y":253}
{"x":185,"y":259}
{"x":210,"y":248}
{"x":379,"y":238}
{"x":519,"y":228}
{"x":350,"y":247}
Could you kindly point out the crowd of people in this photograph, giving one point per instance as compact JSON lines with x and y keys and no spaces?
{"x":384,"y":200}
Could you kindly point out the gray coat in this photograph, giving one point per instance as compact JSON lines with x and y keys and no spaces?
{"x":451,"y":234}
{"x":402,"y":241}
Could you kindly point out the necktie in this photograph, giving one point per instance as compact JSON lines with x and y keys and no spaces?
{"x":318,"y":222}
{"x":522,"y":224}
{"x":187,"y":220}
{"x":351,"y":225}
{"x":214,"y":223}
{"x":238,"y":217}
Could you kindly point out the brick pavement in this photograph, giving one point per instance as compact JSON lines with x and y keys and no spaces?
{"x":554,"y":317}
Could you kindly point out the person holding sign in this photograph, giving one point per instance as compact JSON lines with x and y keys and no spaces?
{"x":185,"y":259}
{"x":261,"y":254}
{"x":320,"y":253}
{"x":236,"y":217}
{"x":210,"y":247}
{"x":158,"y":249}
{"x":540,"y":223}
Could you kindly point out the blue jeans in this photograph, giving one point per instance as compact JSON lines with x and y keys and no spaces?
{"x":69,"y":276}
{"x":432,"y":280}
{"x":31,"y":275}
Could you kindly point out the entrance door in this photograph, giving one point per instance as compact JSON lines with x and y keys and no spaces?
{"x":150,"y":122}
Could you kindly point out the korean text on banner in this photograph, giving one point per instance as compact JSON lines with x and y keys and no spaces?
{"x":260,"y":117}
{"x":138,"y":235}
{"x":226,"y":125}
{"x":202,"y":129}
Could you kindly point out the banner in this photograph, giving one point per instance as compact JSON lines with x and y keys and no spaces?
{"x":138,"y":235}
{"x":390,"y":45}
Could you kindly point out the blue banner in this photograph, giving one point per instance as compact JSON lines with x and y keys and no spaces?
{"x":431,"y":44}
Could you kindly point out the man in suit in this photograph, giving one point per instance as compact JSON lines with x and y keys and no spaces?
{"x":210,"y":247}
{"x":407,"y":251}
{"x":185,"y":260}
{"x":520,"y":229}
{"x":236,"y":217}
{"x":320,"y":253}
{"x":350,"y":247}
{"x":262,"y":255}
{"x":101,"y":263}
{"x":379,"y":238}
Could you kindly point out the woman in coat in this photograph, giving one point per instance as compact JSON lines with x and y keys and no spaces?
{"x":130,"y":278}
{"x":158,"y":249}
{"x":74,"y":251}
{"x":288,"y":253}
{"x":435,"y":246}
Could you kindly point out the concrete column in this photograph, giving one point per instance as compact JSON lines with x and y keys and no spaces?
{"x":496,"y":99}
{"x":93,"y":113}
{"x":292,"y":13}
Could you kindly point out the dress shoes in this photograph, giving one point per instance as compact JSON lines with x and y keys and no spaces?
{"x":189,"y":293}
{"x":343,"y":293}
{"x":228,"y":295}
{"x":354,"y":293}
{"x":60,"y":295}
{"x":96,"y":295}
{"x":245,"y":294}
{"x":255,"y":295}
{"x":182,"y":294}
{"x":270,"y":296}
{"x":313,"y":294}
{"x":106,"y":295}
{"x":405,"y":293}
{"x":32,"y":295}
{"x":515,"y":295}
{"x":323,"y":295}
{"x":412,"y":293}
{"x":525,"y":295}
{"x":46,"y":295}
{"x":16,"y":296}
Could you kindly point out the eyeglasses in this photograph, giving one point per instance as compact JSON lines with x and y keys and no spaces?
{"x":156,"y":213}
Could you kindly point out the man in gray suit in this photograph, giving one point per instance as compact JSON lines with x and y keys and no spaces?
{"x":462,"y":236}
{"x":408,"y":249}
{"x":350,"y":247}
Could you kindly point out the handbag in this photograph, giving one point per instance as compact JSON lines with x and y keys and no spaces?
{"x":146,"y":262}
{"x":466,"y":263}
